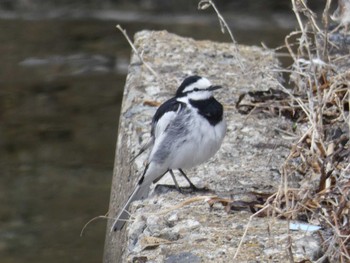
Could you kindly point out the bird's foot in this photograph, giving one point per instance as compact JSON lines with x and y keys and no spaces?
{"x":200,"y":189}
{"x":162,"y":188}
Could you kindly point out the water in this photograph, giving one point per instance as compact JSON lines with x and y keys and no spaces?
{"x":61,"y":88}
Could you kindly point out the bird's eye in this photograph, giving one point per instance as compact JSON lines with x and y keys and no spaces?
{"x":196,"y":89}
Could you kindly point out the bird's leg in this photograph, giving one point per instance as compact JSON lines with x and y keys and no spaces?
{"x":193,"y":187}
{"x":176,"y":184}
{"x":184,"y":189}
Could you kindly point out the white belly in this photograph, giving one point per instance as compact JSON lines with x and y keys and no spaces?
{"x":200,"y":146}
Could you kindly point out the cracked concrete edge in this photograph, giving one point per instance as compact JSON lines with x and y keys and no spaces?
{"x":174,"y":58}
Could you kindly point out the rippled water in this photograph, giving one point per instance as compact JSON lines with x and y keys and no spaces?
{"x":61,"y":86}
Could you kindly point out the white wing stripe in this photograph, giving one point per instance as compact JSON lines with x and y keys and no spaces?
{"x":164,"y":121}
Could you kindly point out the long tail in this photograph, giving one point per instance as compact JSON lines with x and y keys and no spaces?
{"x":151,"y":174}
{"x":140,"y":192}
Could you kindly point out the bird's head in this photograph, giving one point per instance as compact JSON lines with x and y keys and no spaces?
{"x":196,"y":88}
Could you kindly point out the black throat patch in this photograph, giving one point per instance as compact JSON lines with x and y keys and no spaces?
{"x":210,"y":109}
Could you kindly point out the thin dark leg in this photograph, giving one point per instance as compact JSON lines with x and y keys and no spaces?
{"x":188,"y":180}
{"x":176,"y":184}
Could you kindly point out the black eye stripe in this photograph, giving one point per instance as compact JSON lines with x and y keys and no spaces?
{"x":192,"y":90}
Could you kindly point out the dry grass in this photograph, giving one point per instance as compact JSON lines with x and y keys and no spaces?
{"x":320,"y":157}
{"x":318,"y":102}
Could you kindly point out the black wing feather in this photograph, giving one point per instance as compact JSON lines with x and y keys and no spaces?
{"x":170,"y":105}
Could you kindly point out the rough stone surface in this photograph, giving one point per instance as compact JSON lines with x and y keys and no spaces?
{"x":249,"y":160}
{"x":183,"y":258}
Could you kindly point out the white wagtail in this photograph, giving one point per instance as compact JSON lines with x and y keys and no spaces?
{"x":187,"y":130}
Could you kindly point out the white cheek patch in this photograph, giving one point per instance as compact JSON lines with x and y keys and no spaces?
{"x":200,"y":95}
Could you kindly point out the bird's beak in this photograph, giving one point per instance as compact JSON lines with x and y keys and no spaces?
{"x":211,"y":88}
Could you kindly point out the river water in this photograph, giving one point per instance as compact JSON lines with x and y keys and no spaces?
{"x":62,"y":77}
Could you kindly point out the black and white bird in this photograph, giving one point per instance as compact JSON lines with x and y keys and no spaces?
{"x":187,"y":130}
